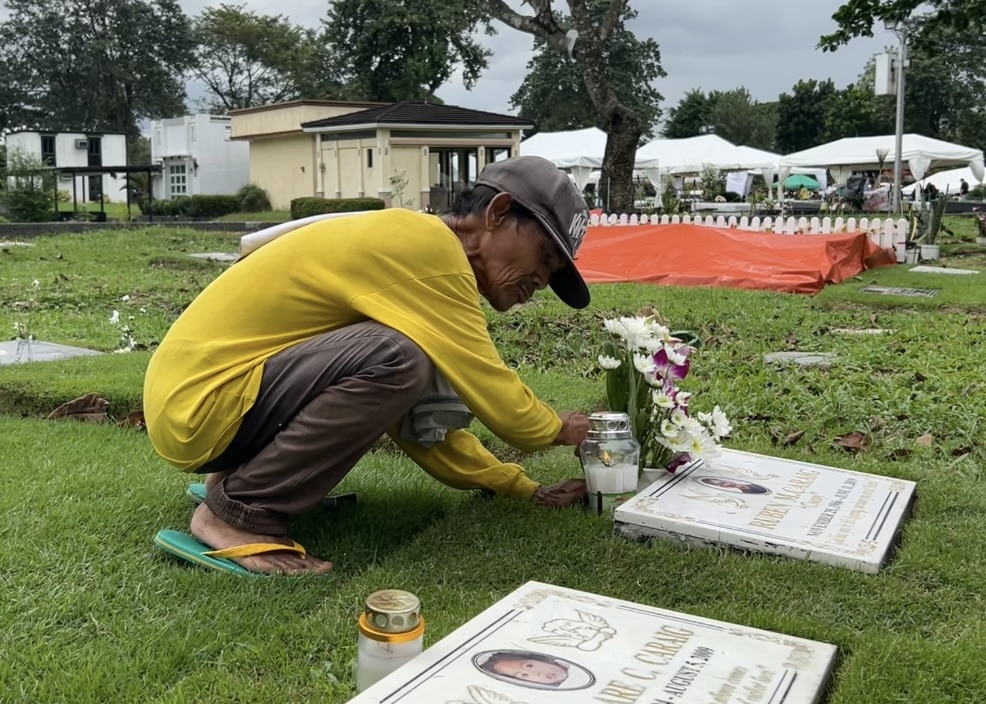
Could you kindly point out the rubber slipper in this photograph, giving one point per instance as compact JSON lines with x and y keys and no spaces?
{"x":196,"y":493}
{"x":187,"y":548}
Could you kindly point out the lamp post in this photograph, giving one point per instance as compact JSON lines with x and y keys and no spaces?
{"x":900,"y":29}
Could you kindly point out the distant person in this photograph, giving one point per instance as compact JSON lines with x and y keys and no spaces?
{"x":963,"y":187}
{"x":930,"y":192}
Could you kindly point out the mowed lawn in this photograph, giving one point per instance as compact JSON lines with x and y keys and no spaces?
{"x":92,"y":612}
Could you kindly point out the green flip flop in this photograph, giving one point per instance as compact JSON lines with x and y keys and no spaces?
{"x":187,"y":548}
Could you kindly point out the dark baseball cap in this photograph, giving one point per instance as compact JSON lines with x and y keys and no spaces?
{"x":551,"y":197}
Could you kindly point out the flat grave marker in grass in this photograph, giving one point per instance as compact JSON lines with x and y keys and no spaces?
{"x":775,"y":506}
{"x":544,"y":643}
{"x":909,"y":292}
{"x":217,"y":256}
{"x":942,"y":270}
{"x":803,"y":359}
{"x":21,"y":351}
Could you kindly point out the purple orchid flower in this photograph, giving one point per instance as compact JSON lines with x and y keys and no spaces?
{"x":666,"y":368}
{"x":678,"y":462}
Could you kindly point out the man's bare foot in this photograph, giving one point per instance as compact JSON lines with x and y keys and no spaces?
{"x":208,"y":528}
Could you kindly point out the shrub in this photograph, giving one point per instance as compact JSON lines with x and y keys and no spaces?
{"x":306,"y":207}
{"x":978,"y":191}
{"x":200,"y":206}
{"x":253,"y":199}
{"x":2,"y":219}
{"x":31,"y":189}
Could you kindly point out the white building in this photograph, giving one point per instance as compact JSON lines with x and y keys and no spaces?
{"x":78,"y":150}
{"x":197,"y":157}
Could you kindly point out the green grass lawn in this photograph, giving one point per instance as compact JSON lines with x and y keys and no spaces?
{"x":271,"y":216}
{"x":93,"y":613}
{"x":114,"y":211}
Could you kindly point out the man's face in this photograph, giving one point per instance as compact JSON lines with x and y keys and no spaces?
{"x":519,"y":257}
{"x":533,"y":671}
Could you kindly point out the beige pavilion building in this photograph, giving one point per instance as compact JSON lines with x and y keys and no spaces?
{"x":414,"y":155}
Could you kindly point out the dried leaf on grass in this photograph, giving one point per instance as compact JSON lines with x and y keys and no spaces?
{"x":853,"y":442}
{"x":90,"y":408}
{"x":900,"y":453}
{"x":961,"y":451}
{"x":792,"y":438}
{"x":925,"y":440}
{"x":780,"y":436}
{"x":134,"y":420}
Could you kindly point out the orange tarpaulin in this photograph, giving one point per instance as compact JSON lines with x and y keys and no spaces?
{"x":693,"y":255}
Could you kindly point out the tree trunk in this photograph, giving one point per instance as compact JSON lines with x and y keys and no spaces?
{"x":622,"y":125}
{"x":623,"y":137}
{"x":623,"y":131}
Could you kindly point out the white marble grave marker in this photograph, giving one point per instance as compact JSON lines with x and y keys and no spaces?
{"x":544,"y":644}
{"x":775,"y":506}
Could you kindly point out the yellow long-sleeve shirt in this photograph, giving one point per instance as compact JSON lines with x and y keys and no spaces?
{"x":405,"y":270}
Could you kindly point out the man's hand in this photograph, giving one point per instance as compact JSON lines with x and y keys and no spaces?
{"x":567,"y":493}
{"x":574,"y":427}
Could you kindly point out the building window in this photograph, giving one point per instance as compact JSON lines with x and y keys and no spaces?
{"x":177,"y":180}
{"x":497,"y":154}
{"x":95,"y":151}
{"x":227,"y":133}
{"x":191,"y":133}
{"x":48,"y":149}
{"x":369,"y":158}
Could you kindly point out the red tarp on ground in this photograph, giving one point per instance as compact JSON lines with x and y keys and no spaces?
{"x":694,"y":255}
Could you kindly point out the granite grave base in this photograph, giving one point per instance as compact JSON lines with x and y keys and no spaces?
{"x":775,"y":506}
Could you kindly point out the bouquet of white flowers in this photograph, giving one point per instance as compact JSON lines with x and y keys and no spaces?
{"x":644,"y":361}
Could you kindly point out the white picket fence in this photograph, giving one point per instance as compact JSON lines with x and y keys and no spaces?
{"x":887,"y":232}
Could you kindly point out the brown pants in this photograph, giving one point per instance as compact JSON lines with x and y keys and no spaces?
{"x":322,"y":404}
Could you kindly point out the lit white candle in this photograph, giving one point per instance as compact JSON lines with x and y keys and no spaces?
{"x":377,"y":659}
{"x":615,"y":479}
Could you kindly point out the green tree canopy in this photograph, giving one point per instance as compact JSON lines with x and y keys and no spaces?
{"x":394,"y":50}
{"x":594,"y":23}
{"x":801,"y":115}
{"x":245,"y":59}
{"x":691,"y":116}
{"x":857,"y":18}
{"x":553,"y":95}
{"x":737,"y":117}
{"x":98,"y":65}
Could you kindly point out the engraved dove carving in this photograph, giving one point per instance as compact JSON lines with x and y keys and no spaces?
{"x":480,"y":695}
{"x":588,"y":633}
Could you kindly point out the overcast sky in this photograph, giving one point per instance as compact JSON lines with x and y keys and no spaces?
{"x":765,"y":45}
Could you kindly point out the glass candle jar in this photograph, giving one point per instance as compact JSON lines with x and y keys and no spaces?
{"x":391,"y":633}
{"x":610,"y":459}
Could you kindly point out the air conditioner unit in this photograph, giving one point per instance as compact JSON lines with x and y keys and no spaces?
{"x":82,"y":144}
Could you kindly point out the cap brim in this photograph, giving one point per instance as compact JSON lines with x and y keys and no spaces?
{"x":567,"y":283}
{"x":569,"y":286}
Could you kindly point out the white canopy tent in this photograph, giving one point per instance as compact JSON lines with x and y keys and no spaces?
{"x":820,"y":175}
{"x":950,"y":180}
{"x":919,"y":153}
{"x":692,"y":154}
{"x":579,"y":151}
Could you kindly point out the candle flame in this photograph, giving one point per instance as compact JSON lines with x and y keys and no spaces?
{"x":606,"y":458}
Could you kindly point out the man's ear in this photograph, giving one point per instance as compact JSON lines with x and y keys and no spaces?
{"x":497,"y":210}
